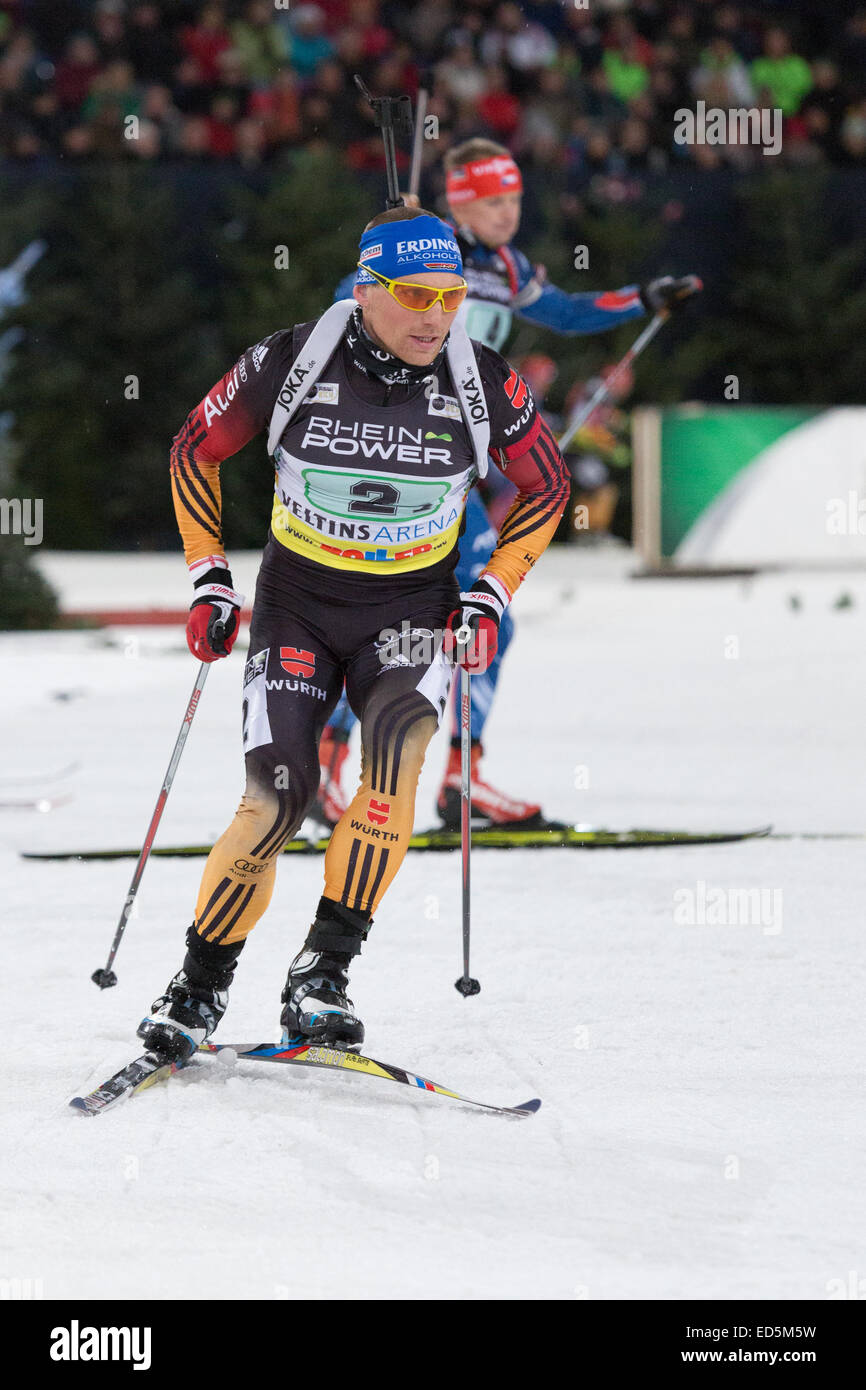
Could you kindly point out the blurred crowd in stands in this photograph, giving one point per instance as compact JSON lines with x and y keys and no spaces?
{"x":590,"y":89}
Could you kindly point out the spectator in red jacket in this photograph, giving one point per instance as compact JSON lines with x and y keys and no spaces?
{"x":206,"y":40}
{"x":278,"y":107}
{"x":76,"y":70}
{"x":221,"y":126}
{"x":499,"y":108}
{"x":364,"y":15}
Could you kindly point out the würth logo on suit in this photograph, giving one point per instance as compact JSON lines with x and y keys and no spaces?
{"x":515,"y":390}
{"x":297,"y":662}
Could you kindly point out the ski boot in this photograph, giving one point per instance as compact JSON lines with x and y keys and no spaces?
{"x":490,"y":806}
{"x":330,"y":798}
{"x":194,"y":1001}
{"x":316,"y":1007}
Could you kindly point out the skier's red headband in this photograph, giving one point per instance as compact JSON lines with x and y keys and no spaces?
{"x":483,"y":178}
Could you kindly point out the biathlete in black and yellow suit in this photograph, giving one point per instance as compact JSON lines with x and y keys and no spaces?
{"x":379,"y":418}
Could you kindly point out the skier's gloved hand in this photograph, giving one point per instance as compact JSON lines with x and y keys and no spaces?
{"x":669,"y":293}
{"x":214,"y":616}
{"x":483,"y":606}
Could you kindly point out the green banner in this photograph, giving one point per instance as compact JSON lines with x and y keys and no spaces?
{"x":703,"y":448}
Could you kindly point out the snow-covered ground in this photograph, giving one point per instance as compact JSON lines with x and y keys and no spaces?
{"x":702,"y":1129}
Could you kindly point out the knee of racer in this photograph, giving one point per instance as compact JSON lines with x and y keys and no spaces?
{"x":278,"y":796}
{"x":394,"y":747}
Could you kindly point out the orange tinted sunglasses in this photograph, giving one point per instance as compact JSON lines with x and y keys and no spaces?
{"x":419,"y":298}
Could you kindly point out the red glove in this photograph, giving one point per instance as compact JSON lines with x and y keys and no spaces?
{"x":483,"y":606}
{"x":214,"y":616}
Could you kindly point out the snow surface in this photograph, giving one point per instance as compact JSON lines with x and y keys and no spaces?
{"x":702,"y":1130}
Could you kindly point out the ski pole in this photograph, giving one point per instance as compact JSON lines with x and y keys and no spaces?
{"x":106,"y":977}
{"x":418,"y":142}
{"x":579,"y":419}
{"x":688,"y":285}
{"x":465,"y":985}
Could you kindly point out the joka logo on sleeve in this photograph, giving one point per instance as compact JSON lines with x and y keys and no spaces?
{"x":297,"y":662}
{"x":76,"y":1343}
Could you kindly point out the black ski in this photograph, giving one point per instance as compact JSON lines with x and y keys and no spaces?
{"x":146,"y":1070}
{"x":567,"y":837}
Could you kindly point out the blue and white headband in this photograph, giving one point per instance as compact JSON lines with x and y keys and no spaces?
{"x":398,"y":249}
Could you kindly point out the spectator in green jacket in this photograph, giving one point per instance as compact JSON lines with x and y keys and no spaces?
{"x":627,"y":76}
{"x":263,"y":44}
{"x":113,"y":90}
{"x":785,"y":75}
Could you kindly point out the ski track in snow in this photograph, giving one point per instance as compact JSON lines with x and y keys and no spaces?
{"x":701,"y":1128}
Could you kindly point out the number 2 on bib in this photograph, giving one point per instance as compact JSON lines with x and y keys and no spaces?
{"x":374,"y":499}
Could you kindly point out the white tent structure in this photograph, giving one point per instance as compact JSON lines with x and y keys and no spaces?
{"x":801,"y":501}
